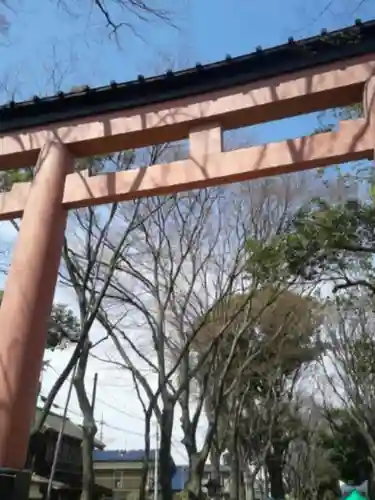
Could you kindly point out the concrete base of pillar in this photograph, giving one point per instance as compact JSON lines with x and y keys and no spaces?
{"x":14,"y":484}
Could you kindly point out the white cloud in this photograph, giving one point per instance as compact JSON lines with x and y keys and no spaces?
{"x":118,"y":411}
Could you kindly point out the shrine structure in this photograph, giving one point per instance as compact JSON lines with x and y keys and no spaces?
{"x":331,"y":70}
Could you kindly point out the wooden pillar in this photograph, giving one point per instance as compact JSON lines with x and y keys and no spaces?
{"x":369,"y":105}
{"x":204,"y":141}
{"x":27,"y":302}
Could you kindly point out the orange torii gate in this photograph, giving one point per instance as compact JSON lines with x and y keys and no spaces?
{"x":331,"y":70}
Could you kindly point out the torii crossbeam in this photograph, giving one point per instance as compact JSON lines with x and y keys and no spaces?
{"x":328,"y":71}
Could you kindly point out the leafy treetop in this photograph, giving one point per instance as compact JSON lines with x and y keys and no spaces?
{"x":348,"y":450}
{"x":323,"y":241}
{"x":63,"y":326}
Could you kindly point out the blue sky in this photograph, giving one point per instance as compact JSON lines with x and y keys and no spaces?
{"x":43,"y":36}
{"x":44,"y":39}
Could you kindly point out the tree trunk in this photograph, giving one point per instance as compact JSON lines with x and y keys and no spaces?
{"x":143,"y":488}
{"x":266,"y":482}
{"x":194,"y":485}
{"x":88,"y":480}
{"x":165,"y":457}
{"x":274,"y":463}
{"x":235,"y":464}
{"x":215,"y":462}
{"x":234,"y":492}
{"x":241,"y":485}
{"x":250,"y":490}
{"x":89,"y":426}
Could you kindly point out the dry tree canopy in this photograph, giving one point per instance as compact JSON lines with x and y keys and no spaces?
{"x":283,"y":325}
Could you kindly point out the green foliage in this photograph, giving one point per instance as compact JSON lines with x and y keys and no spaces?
{"x":329,"y":235}
{"x":348,"y":450}
{"x":278,"y":328}
{"x":94,"y":166}
{"x":10,"y":177}
{"x":329,"y":239}
{"x":63,"y":326}
{"x":322,"y":239}
{"x":266,"y":258}
{"x":181,"y":495}
{"x":280,"y":335}
{"x":362,"y":355}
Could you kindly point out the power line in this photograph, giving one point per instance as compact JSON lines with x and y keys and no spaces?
{"x":135,"y":433}
{"x":102,"y":423}
{"x":119,"y":410}
{"x":323,"y":11}
{"x":320,"y":14}
{"x":137,"y":417}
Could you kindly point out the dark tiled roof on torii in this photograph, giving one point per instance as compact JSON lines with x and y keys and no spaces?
{"x":326,"y":48}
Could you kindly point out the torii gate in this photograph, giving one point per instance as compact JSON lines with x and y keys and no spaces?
{"x":300,"y":77}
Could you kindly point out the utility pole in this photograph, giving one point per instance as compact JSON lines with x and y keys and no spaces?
{"x":156,"y":464}
{"x":101,"y":428}
{"x":93,"y":397}
{"x":60,"y":437}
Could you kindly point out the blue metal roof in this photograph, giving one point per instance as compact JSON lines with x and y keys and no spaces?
{"x":180,"y":478}
{"x":122,"y":455}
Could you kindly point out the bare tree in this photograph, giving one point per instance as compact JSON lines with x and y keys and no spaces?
{"x":282,"y":338}
{"x":349,"y":368}
{"x":186,"y":257}
{"x":89,"y":272}
{"x":160,"y":283}
{"x":309,"y":471}
{"x":152,"y":272}
{"x":265,"y":209}
{"x":115,"y":14}
{"x":158,"y":280}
